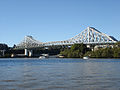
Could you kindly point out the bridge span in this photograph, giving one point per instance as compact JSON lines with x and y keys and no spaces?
{"x":89,"y":36}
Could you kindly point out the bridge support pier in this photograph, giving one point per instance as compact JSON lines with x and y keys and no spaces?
{"x":30,"y":53}
{"x":26,"y":52}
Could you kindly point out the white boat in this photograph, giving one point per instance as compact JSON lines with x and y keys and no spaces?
{"x":86,"y":57}
{"x":42,"y":57}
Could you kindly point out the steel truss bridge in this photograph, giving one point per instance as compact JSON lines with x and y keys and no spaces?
{"x":89,"y":36}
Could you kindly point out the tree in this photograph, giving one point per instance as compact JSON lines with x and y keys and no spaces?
{"x":3,"y":47}
{"x":116,"y":52}
{"x":76,"y":51}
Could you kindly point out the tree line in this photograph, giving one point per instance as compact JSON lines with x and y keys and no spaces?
{"x":80,"y":50}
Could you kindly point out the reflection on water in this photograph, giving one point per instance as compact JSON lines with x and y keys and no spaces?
{"x":57,"y":74}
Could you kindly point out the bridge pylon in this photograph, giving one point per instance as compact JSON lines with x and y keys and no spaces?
{"x":28,"y":52}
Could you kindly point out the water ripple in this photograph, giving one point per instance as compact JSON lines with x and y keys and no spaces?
{"x":59,"y":74}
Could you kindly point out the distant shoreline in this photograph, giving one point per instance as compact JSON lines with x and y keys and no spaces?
{"x":57,"y":57}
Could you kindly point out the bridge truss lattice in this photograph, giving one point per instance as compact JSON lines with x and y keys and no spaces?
{"x":88,"y":36}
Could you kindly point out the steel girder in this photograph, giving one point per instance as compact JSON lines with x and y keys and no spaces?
{"x":88,"y":36}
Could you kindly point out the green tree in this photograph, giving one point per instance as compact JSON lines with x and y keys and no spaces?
{"x":107,"y":53}
{"x":116,"y":52}
{"x":76,"y":51}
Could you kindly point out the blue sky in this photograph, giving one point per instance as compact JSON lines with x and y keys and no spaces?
{"x":54,"y":20}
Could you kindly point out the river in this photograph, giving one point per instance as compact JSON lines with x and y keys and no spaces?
{"x":59,"y":74}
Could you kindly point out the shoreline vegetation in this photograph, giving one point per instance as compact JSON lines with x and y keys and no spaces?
{"x":75,"y":51}
{"x":80,"y":50}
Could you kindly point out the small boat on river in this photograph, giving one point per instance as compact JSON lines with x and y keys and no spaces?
{"x":42,"y":57}
{"x":86,"y":57}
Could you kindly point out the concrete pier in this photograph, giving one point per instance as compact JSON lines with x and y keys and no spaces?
{"x":30,"y":53}
{"x":26,"y":52}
